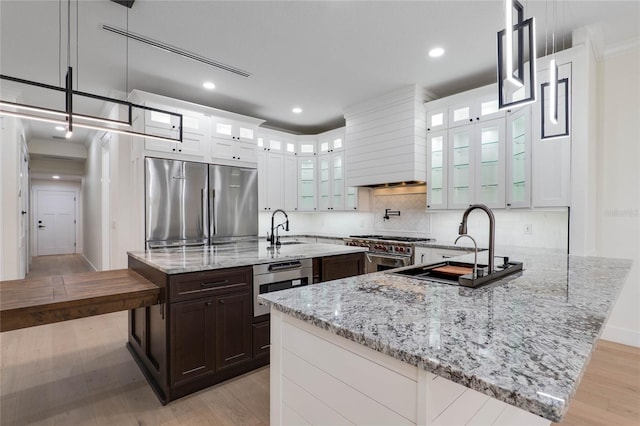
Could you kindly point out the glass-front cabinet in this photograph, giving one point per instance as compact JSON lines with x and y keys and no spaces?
{"x":331,"y":181}
{"x":490,"y":164}
{"x":518,"y":164}
{"x":307,"y":195}
{"x":437,"y":170}
{"x":460,"y":175}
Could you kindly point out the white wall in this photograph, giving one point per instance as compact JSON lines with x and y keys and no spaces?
{"x":10,"y":137}
{"x":92,"y":204}
{"x":618,"y":183}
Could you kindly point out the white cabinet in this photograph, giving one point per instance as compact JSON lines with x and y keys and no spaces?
{"x":476,"y":165}
{"x":331,"y":185}
{"x":437,"y":158}
{"x":270,"y":181}
{"x":477,"y":105}
{"x":167,"y":125}
{"x":307,"y":184}
{"x":331,"y":141}
{"x":421,"y":255}
{"x":437,"y":119}
{"x":290,"y":183}
{"x":551,"y":158}
{"x":232,"y":140}
{"x":307,"y":146}
{"x":518,"y":158}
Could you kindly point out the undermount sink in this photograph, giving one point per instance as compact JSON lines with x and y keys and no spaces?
{"x":459,"y":273}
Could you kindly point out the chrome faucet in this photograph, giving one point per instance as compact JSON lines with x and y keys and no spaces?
{"x":275,"y":240}
{"x":462,"y":230}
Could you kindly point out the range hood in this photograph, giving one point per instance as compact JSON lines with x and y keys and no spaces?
{"x":386,"y":139}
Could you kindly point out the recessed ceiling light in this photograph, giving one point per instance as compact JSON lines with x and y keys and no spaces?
{"x":60,"y":128}
{"x":436,"y":52}
{"x":55,"y":177}
{"x":208,"y":85}
{"x":296,"y":110}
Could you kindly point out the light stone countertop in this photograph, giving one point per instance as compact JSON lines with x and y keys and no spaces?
{"x":246,"y":253}
{"x":525,"y":340}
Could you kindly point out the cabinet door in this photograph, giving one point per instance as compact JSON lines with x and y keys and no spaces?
{"x":342,"y":266}
{"x":324,"y":182}
{"x":290,"y":147}
{"x":461,"y":113}
{"x":421,"y":255}
{"x":490,"y":164}
{"x":233,"y":330}
{"x":192,"y":340}
{"x":460,"y":175}
{"x":290,"y":183}
{"x":437,"y":119}
{"x":275,"y":181}
{"x":192,"y":144}
{"x":351,"y":200}
{"x":337,"y":181}
{"x":437,"y":170}
{"x":223,"y":148}
{"x":307,"y":199}
{"x":518,"y":157}
{"x":306,"y":148}
{"x":551,"y":158}
{"x":261,"y":339}
{"x":246,"y":151}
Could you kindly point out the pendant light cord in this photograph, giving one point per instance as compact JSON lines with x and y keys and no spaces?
{"x":126,"y":82}
{"x":77,"y":48}
{"x":60,"y":43}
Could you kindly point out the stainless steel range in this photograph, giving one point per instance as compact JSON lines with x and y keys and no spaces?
{"x":385,"y":251}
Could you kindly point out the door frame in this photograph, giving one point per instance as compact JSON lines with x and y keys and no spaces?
{"x":55,"y":187}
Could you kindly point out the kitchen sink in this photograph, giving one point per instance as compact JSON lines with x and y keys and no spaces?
{"x":459,"y":273}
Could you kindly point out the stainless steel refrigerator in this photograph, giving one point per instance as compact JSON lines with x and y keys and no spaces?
{"x":233,"y":203}
{"x":191,"y":203}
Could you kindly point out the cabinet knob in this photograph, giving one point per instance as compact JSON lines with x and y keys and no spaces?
{"x":428,"y":206}
{"x":471,"y":119}
{"x":509,"y":204}
{"x":428,"y":129}
{"x":173,"y":149}
{"x":477,"y":118}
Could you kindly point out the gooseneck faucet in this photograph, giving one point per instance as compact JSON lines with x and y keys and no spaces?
{"x":273,"y":240}
{"x":475,"y":251}
{"x":462,"y":230}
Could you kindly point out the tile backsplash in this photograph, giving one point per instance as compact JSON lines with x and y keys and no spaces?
{"x":411,"y":206}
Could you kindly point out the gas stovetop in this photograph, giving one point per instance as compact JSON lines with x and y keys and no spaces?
{"x":391,"y":238}
{"x":390,"y":244}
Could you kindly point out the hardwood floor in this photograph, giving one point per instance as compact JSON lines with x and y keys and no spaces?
{"x":63,"y":264}
{"x":79,"y":372}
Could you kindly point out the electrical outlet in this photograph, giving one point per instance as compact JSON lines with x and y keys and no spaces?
{"x":528,"y":229}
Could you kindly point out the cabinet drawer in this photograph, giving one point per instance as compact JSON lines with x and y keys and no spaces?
{"x":261,"y":339}
{"x":198,"y":284}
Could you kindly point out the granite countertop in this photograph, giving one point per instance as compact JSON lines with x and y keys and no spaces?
{"x":524,"y":340}
{"x":192,"y":259}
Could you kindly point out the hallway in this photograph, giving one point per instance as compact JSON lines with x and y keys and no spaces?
{"x":63,"y":264}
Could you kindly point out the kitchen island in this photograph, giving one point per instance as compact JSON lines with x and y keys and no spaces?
{"x":208,"y":326}
{"x":385,"y":348}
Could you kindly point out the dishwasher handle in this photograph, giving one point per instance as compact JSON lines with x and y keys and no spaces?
{"x":285,"y":266}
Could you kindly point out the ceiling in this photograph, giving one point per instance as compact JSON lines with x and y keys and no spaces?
{"x":319,"y":55}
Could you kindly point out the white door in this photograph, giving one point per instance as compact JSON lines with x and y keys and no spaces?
{"x":55,"y":222}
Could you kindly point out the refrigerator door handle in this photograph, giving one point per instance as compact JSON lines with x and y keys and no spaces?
{"x":212,"y":204}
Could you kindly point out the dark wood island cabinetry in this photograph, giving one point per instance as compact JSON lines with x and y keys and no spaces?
{"x":203,"y":331}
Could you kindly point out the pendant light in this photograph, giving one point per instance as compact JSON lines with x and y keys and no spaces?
{"x":71,"y":119}
{"x":551,"y":126}
{"x":516,"y":79}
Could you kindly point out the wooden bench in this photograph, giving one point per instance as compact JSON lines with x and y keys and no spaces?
{"x":38,"y":301}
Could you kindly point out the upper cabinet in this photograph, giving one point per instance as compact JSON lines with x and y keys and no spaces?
{"x":518,"y":154}
{"x":233,"y":140}
{"x":478,"y":105}
{"x":168,"y":125}
{"x":307,"y":146}
{"x":437,"y":157}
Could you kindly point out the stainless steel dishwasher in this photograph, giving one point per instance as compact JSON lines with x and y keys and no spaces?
{"x":270,"y":277}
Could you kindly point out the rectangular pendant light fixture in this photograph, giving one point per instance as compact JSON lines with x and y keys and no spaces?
{"x":550,"y":129}
{"x":516,"y":49}
{"x":71,"y":119}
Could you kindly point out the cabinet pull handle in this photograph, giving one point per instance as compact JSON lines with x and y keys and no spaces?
{"x":203,"y":285}
{"x":208,"y":303}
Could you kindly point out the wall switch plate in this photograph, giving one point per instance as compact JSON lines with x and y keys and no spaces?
{"x":528,"y":229}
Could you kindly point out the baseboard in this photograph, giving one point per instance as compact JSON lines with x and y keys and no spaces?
{"x":620,"y":335}
{"x":89,"y":262}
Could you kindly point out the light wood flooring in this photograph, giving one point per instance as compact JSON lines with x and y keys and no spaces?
{"x":80,"y":373}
